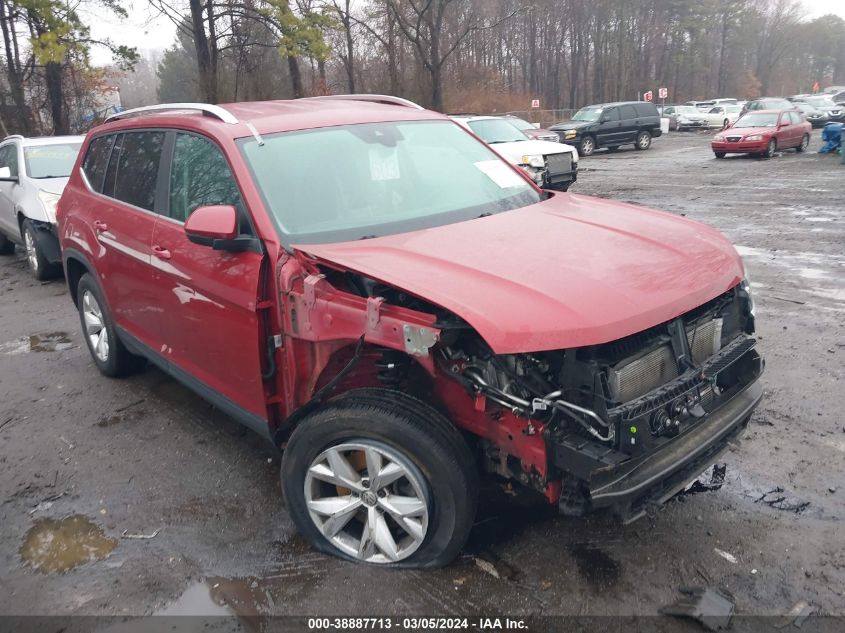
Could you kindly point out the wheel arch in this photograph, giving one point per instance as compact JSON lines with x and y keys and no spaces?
{"x":76,"y":265}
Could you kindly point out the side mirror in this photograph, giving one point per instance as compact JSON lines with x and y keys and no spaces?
{"x":214,"y":222}
{"x":6,"y":175}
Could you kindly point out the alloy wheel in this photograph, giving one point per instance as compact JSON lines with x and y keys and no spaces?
{"x":31,"y":253}
{"x":368,"y":500}
{"x":95,"y":326}
{"x":587,"y":146}
{"x":644,"y":141}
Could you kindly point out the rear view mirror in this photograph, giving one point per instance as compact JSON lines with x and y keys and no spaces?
{"x":210,"y":223}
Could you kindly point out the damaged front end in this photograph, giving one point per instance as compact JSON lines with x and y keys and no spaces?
{"x":615,"y":425}
{"x":628,"y":422}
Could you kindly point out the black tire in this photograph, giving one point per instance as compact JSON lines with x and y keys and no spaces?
{"x":719,"y":154}
{"x":587,"y":146}
{"x":771,"y":148}
{"x":725,"y":124}
{"x":7,"y":246}
{"x":643,"y":141}
{"x":805,"y":141}
{"x":118,"y":361}
{"x":415,"y":431}
{"x":33,"y":239}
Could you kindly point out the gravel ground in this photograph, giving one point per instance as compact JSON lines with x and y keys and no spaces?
{"x":144,"y":456}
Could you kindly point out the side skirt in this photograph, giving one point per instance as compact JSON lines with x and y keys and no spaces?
{"x":253,"y":422}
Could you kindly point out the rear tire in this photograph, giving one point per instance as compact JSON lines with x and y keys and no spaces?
{"x":108,"y":352}
{"x":587,"y":146}
{"x":805,"y":141}
{"x":719,"y":154}
{"x":39,"y":266}
{"x":643,"y":141}
{"x":438,"y":480}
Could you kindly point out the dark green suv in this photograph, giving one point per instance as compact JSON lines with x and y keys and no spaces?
{"x":611,"y":125}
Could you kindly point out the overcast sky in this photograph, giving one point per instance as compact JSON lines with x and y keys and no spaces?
{"x":149,"y":31}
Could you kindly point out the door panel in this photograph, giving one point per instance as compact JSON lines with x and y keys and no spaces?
{"x":8,"y":190}
{"x":609,"y":132}
{"x":208,"y":320}
{"x":125,"y":231}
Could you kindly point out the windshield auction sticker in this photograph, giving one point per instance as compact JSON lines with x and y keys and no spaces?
{"x":500,"y":173}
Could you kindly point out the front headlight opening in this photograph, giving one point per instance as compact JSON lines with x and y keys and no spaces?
{"x":534,"y":161}
{"x":50,"y":201}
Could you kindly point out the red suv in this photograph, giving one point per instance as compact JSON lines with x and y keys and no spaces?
{"x":380,"y":295}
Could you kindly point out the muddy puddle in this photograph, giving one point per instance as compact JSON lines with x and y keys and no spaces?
{"x":49,"y":342}
{"x":57,"y":546}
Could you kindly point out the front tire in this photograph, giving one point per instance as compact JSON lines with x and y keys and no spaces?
{"x":719,"y":154}
{"x":643,"y":140}
{"x":41,"y":268}
{"x":587,"y":146}
{"x":771,"y":148}
{"x":108,"y":352}
{"x":379,"y":477}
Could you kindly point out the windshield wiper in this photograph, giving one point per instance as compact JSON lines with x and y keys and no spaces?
{"x":45,"y":177}
{"x":367,"y":237}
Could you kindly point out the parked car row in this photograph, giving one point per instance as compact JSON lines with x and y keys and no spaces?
{"x":418,"y":316}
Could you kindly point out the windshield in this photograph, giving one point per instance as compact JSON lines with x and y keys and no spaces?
{"x":758,"y":120}
{"x":357,"y":181}
{"x":805,"y":107}
{"x":587,"y":114}
{"x":687,"y":110}
{"x":50,"y":161}
{"x":494,"y":131}
{"x":733,"y":108}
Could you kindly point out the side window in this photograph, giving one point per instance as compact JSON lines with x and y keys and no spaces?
{"x":136,"y":173}
{"x":796,"y":118}
{"x":628,"y":112}
{"x":646,"y":109}
{"x":200,"y":176}
{"x":9,"y":158}
{"x":96,"y":161}
{"x":610,"y":114}
{"x":669,"y":110}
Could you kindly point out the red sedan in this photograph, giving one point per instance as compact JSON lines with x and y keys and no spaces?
{"x":762,"y":133}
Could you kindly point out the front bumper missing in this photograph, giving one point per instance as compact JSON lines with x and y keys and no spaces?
{"x":626,"y":484}
{"x":629,"y":487}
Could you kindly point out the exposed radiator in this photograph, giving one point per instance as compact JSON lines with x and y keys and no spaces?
{"x":631,"y":379}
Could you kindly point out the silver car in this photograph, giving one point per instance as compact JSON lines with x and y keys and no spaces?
{"x":33,"y":174}
{"x":685,"y":117}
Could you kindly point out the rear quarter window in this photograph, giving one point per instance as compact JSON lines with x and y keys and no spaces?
{"x":97,"y":160}
{"x":136,"y":173}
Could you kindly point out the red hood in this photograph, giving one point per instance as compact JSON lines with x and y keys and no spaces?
{"x":570,"y":271}
{"x":748,"y":131}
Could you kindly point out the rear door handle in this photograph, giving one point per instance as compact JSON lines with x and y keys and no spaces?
{"x":161,"y":253}
{"x":100,"y":226}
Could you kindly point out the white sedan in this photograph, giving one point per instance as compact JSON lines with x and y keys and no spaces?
{"x":722,"y":116}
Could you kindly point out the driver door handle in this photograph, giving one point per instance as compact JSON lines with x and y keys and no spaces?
{"x":161,"y":253}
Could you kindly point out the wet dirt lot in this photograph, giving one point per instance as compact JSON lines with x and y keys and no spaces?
{"x":133,"y":496}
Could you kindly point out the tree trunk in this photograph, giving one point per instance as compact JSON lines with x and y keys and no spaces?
{"x":206,"y":66}
{"x":295,"y":77}
{"x":55,"y":95}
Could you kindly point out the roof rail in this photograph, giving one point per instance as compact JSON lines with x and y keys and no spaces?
{"x":206,"y":108}
{"x":384,"y":99}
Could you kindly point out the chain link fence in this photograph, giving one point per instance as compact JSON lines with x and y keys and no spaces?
{"x":545,"y":118}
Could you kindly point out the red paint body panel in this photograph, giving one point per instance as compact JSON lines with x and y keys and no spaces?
{"x":567,"y":272}
{"x":214,"y":221}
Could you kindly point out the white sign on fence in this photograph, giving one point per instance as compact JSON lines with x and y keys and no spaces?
{"x":535,"y":103}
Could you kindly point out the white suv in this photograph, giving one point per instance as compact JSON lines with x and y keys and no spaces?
{"x":551,"y":165}
{"x":33,"y":174}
